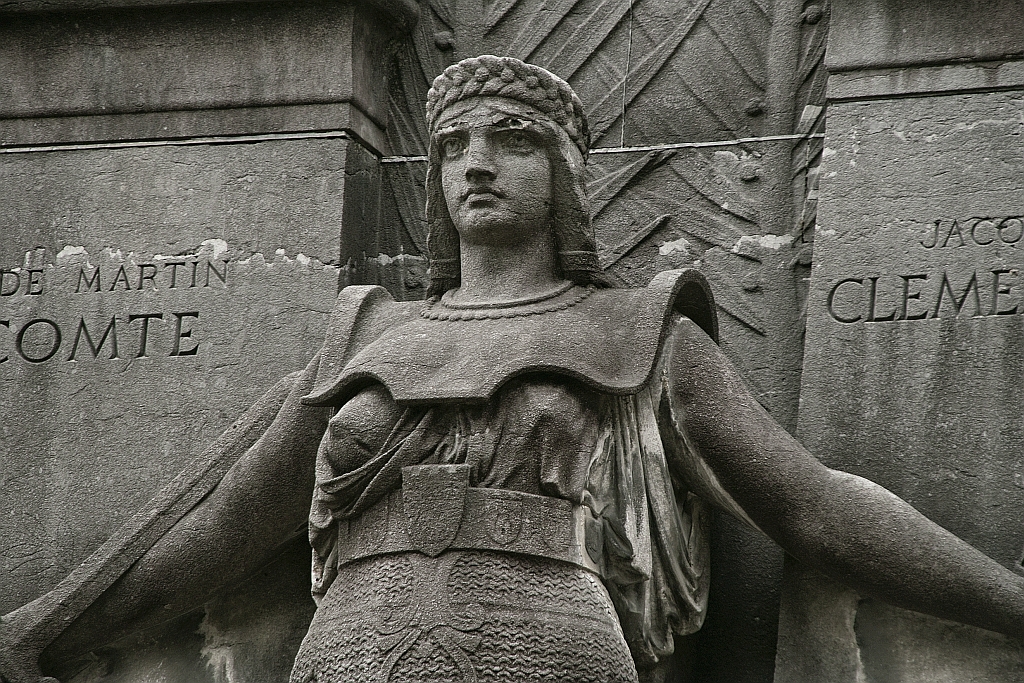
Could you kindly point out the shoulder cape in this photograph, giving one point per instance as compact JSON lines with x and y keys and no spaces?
{"x":609,"y":341}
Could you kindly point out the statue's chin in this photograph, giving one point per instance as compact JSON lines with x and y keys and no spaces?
{"x":496,"y":225}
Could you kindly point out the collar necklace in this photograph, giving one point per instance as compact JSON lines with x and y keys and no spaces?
{"x":562,"y":297}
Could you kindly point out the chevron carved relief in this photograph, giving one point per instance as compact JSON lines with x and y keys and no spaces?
{"x":650,"y":72}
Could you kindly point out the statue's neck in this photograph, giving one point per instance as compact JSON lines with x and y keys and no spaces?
{"x":492,"y":273}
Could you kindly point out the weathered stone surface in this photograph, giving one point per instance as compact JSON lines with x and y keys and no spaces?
{"x":511,"y":238}
{"x":931,"y":377}
{"x":883,"y":33}
{"x":249,"y":632}
{"x":155,"y":356}
{"x":88,"y":441}
{"x":724,"y":207}
{"x":914,"y":371}
{"x":166,"y":200}
{"x":237,"y":143}
{"x":816,"y":637}
{"x":181,"y":61}
{"x":403,"y":12}
{"x":723,"y":210}
{"x":897,"y":645}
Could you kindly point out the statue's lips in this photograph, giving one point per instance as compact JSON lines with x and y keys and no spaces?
{"x":482,"y":196}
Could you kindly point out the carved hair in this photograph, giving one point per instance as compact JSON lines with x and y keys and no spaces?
{"x":492,"y":76}
{"x":568,"y":140}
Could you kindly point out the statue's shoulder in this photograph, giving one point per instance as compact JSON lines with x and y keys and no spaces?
{"x":685,"y":291}
{"x":362,"y":313}
{"x":608,"y":339}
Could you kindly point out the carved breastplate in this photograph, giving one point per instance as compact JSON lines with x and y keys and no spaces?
{"x":608,"y":341}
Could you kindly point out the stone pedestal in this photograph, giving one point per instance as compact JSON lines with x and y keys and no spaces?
{"x":182,"y":185}
{"x":914,"y":359}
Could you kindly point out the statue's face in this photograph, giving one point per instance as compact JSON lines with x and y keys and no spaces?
{"x":495,"y":170}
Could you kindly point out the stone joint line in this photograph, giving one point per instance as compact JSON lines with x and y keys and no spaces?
{"x":651,"y":148}
{"x":207,"y":140}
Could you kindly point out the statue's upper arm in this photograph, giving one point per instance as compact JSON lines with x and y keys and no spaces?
{"x":759,"y":466}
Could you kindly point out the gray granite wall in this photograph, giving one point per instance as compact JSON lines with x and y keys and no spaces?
{"x":202,"y":177}
{"x":182,"y":186}
{"x":913,"y":369}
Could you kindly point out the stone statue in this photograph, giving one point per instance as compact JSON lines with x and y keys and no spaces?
{"x":513,"y":477}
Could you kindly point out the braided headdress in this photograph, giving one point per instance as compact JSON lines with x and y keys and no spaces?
{"x":489,"y":76}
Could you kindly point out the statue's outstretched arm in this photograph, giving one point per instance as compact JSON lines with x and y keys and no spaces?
{"x":841,"y":524}
{"x":234,"y":523}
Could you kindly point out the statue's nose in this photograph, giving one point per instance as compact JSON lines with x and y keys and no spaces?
{"x":480,"y":159}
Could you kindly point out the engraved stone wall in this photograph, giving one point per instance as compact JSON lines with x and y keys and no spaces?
{"x":913,"y":369}
{"x":240,"y":142}
{"x":181,"y":187}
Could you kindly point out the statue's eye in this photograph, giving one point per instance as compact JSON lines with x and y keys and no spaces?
{"x":518,"y":141}
{"x":452,"y":147}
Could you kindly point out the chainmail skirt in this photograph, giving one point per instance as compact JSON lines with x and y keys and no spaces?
{"x":464,"y":617}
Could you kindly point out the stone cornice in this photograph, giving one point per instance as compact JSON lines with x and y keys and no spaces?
{"x":405,"y":12}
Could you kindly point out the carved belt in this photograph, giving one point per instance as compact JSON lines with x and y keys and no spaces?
{"x":436,"y":510}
